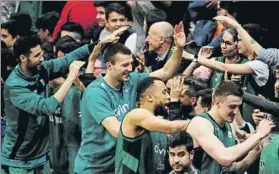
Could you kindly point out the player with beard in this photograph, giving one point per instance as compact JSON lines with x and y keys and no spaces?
{"x":27,"y":105}
{"x":135,"y":144}
{"x":181,"y":153}
{"x":214,"y":142}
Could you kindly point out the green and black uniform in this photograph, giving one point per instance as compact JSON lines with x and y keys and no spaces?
{"x":65,"y":132}
{"x":27,"y":102}
{"x":204,"y":163}
{"x":144,"y":154}
{"x":100,"y":101}
{"x":269,"y":160}
{"x":218,"y":77}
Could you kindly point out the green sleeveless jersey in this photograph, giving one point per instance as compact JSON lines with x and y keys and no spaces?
{"x":218,"y":76}
{"x":204,"y":163}
{"x":133,"y":155}
{"x":269,"y":161}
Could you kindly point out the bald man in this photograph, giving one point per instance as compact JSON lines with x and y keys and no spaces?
{"x":160,"y":40}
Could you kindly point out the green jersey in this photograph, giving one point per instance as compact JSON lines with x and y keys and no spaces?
{"x":205,"y":163}
{"x":134,"y":155}
{"x":65,"y":133}
{"x":269,"y":160}
{"x":160,"y":155}
{"x":27,"y":106}
{"x":144,"y":154}
{"x":100,"y":101}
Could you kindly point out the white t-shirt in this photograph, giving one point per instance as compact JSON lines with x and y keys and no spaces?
{"x":261,"y":72}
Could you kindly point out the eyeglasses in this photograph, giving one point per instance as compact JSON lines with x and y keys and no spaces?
{"x":227,"y":43}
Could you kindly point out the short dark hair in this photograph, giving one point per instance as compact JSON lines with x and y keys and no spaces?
{"x":24,"y":22}
{"x":144,"y":85}
{"x":197,"y":83}
{"x":226,"y":88}
{"x":73,"y":27}
{"x":47,"y":21}
{"x":233,"y":33}
{"x":153,"y":16}
{"x":47,"y":47}
{"x":206,"y":97}
{"x":66,"y":44}
{"x":12,"y":27}
{"x":8,"y":58}
{"x":114,"y":7}
{"x":23,"y":45}
{"x":101,"y":3}
{"x":181,"y":138}
{"x":112,"y":49}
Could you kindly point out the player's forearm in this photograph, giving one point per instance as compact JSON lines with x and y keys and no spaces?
{"x":241,"y":166}
{"x":90,"y":67}
{"x":248,"y":40}
{"x":213,"y":64}
{"x":190,"y":69}
{"x":173,"y":63}
{"x":235,"y":152}
{"x":179,"y":125}
{"x":63,"y":90}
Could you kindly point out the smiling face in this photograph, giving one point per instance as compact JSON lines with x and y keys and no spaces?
{"x":153,"y":40}
{"x":228,"y":107}
{"x":115,"y":21}
{"x":121,"y":67}
{"x":34,"y":60}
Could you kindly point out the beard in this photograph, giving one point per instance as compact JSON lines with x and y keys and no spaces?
{"x":160,"y":110}
{"x":32,"y":68}
{"x":186,"y":111}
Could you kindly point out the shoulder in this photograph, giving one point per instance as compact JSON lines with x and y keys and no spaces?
{"x":199,"y":124}
{"x":95,"y":89}
{"x":15,"y":81}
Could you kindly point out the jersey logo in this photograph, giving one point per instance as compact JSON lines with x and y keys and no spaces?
{"x":122,"y":109}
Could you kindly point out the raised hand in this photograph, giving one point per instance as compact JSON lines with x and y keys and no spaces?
{"x":95,"y":53}
{"x":176,"y":88}
{"x":205,"y":51}
{"x":264,"y":128}
{"x":258,"y":116}
{"x":141,"y":59}
{"x":227,"y":21}
{"x":179,"y":35}
{"x":74,"y":69}
{"x":115,"y":36}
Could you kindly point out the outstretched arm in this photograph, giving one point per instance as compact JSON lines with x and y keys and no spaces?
{"x":146,"y":120}
{"x":252,"y":45}
{"x":171,"y":66}
{"x":202,"y":130}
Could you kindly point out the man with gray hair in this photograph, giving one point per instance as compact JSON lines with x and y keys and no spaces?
{"x":159,"y":40}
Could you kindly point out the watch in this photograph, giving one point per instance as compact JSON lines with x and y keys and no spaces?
{"x":195,"y":59}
